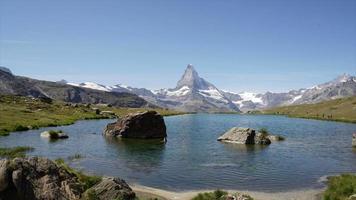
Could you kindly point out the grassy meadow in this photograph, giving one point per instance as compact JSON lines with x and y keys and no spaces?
{"x":343,"y":109}
{"x":19,"y":113}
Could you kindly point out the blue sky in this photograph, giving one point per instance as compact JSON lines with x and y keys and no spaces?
{"x":236,"y":45}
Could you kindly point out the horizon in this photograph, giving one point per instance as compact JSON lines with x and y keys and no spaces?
{"x":237,"y":46}
{"x":222,"y":89}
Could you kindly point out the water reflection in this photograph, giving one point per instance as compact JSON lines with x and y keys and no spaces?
{"x":244,"y":148}
{"x":137,"y":154}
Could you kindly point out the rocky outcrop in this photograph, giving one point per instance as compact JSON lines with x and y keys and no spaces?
{"x":240,"y":135}
{"x":143,"y":125}
{"x":111,"y":188}
{"x":41,"y":179}
{"x":37,"y":178}
{"x":354,"y":140}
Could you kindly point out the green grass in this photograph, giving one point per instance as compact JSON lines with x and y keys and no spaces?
{"x":340,"y":187}
{"x":343,"y":109}
{"x":14,"y":152}
{"x":86,"y":180}
{"x":19,"y":113}
{"x":216,"y":195}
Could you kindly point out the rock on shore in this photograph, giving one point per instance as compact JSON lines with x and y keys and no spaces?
{"x":42,"y":179}
{"x":143,"y":125}
{"x":240,"y":135}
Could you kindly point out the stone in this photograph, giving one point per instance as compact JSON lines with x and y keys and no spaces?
{"x":352,"y":197}
{"x":239,"y":136}
{"x":37,"y":178}
{"x":142,"y":125}
{"x":354,"y":140}
{"x":41,"y":179}
{"x":55,"y":135}
{"x":111,"y":188}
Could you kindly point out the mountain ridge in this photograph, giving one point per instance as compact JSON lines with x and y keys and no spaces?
{"x":194,"y":94}
{"x":193,"y":86}
{"x":19,"y":85}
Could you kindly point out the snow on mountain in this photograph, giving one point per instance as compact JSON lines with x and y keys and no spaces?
{"x":193,"y":93}
{"x":249,"y":96}
{"x":180,"y":92}
{"x":95,"y":86}
{"x":214,"y":93}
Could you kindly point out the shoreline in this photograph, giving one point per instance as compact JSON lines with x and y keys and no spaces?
{"x":161,"y":194}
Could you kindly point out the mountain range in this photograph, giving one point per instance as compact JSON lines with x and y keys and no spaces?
{"x":194,"y":94}
{"x":17,"y":85}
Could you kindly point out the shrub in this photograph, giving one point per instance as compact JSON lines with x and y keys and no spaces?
{"x":19,"y":127}
{"x":340,"y":187}
{"x":264,"y":132}
{"x":216,"y":195}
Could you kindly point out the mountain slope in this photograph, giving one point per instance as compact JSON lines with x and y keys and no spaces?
{"x":194,"y":93}
{"x":17,"y":85}
{"x":343,"y":109}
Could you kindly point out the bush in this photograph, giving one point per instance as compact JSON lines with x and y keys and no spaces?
{"x":54,"y":134}
{"x":19,"y":127}
{"x":216,"y":195}
{"x":340,"y":187}
{"x":264,"y":132}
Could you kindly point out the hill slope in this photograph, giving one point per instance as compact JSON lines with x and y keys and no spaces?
{"x":17,"y":85}
{"x":343,"y":109}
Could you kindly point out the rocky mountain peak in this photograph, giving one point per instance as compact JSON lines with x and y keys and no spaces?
{"x":4,"y":69}
{"x":192,"y":80}
{"x":342,"y":78}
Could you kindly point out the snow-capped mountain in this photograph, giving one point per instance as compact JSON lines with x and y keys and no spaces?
{"x":194,"y":93}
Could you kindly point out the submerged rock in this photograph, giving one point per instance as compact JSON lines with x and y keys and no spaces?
{"x":143,"y":125}
{"x":354,"y":140}
{"x":54,"y":135}
{"x":240,"y":135}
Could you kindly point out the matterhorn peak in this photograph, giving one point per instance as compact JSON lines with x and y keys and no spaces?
{"x":191,"y":79}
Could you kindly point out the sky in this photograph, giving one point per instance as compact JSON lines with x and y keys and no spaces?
{"x":257,"y":46}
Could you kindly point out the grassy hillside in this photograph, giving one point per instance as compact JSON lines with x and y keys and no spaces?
{"x":18,"y":113}
{"x":336,"y":110}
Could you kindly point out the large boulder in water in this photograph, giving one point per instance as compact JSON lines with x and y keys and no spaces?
{"x":37,"y":178}
{"x":143,"y":125}
{"x":354,"y":140}
{"x":240,"y":135}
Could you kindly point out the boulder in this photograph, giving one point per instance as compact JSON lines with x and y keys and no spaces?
{"x":354,"y":140}
{"x":239,"y":136}
{"x":37,"y":178}
{"x":111,"y":188}
{"x":54,"y":135}
{"x":143,"y":125}
{"x":41,"y":179}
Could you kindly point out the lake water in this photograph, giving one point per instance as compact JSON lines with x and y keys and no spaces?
{"x":193,"y":159}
